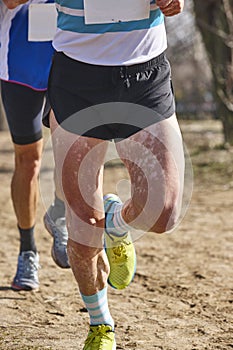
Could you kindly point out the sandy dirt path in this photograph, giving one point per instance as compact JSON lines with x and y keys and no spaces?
{"x":182,"y":294}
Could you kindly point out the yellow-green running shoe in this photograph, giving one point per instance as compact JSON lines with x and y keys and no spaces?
{"x":100,"y":337}
{"x":119,"y":249}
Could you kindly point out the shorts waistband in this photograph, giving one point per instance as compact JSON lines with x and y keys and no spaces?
{"x":132,"y":69}
{"x":101,"y":75}
{"x":140,"y":67}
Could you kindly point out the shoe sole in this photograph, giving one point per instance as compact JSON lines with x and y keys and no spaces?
{"x":16,"y":288}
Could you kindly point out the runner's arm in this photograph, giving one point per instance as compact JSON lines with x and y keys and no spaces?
{"x":11,"y":4}
{"x":170,"y":7}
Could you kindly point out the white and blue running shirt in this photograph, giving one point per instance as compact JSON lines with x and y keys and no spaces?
{"x":22,"y":61}
{"x":121,"y":43}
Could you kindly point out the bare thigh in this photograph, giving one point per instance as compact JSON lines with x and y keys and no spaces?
{"x":155,"y":161}
{"x":79,"y":168}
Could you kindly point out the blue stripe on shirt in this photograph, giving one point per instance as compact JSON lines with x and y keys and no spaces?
{"x":76,"y":24}
{"x":77,"y":4}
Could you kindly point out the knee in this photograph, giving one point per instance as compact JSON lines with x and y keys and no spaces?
{"x":79,"y":212}
{"x":156,"y":217}
{"x":168,"y":219}
{"x":81,"y":209}
{"x":85,"y":226}
{"x":28,"y":163}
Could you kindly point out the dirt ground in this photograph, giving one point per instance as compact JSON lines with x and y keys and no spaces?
{"x":182,"y":294}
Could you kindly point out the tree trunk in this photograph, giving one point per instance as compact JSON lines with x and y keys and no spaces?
{"x":215,"y":21}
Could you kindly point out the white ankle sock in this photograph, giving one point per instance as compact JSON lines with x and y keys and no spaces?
{"x":121,"y":227}
{"x":97,"y":307}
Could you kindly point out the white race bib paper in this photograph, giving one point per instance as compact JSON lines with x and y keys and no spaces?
{"x":42,"y":22}
{"x":111,"y":11}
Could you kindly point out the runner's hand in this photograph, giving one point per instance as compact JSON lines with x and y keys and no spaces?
{"x":170,"y":7}
{"x":11,"y":4}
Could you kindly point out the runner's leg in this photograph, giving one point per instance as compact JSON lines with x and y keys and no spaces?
{"x":155,"y":160}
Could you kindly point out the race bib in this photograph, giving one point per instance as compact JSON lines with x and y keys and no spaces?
{"x":111,"y":11}
{"x":42,"y":22}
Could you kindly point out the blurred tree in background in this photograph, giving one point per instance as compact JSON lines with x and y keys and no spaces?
{"x":192,"y":76}
{"x":201,"y":52}
{"x":215,"y":21}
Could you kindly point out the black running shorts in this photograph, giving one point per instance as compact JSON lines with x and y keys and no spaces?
{"x":24,"y":109}
{"x":76,"y":89}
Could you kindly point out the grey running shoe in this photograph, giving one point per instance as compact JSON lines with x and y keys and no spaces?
{"x":26,"y":277}
{"x":58,"y":231}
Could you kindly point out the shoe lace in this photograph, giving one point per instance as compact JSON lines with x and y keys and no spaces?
{"x":98,"y":336}
{"x":60,"y":232}
{"x":28,"y":266}
{"x":119,"y":253}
